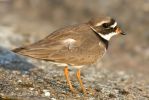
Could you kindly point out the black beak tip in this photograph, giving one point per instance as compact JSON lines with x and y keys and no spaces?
{"x":123,"y":33}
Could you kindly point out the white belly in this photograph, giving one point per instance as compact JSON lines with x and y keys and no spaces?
{"x":64,"y":65}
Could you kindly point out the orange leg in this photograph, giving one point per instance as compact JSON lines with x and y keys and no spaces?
{"x":67,"y":78}
{"x":80,"y":81}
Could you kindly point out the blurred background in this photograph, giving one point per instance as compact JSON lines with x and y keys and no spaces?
{"x":122,"y":73}
{"x":25,"y":21}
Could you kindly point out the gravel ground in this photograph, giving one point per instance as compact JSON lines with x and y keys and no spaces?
{"x":48,"y":81}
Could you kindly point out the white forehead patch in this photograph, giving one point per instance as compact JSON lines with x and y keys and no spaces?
{"x":114,"y":25}
{"x":100,"y":23}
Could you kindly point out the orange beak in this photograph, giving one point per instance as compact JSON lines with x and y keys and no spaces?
{"x":119,"y":31}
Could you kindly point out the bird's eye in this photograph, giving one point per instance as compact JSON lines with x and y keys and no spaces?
{"x":106,"y":25}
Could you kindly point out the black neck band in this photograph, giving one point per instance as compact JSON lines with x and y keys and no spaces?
{"x":106,"y":42}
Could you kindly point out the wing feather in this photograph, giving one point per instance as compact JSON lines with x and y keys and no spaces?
{"x":85,"y":50}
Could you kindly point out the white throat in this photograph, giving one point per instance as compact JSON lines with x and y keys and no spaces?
{"x":106,"y":36}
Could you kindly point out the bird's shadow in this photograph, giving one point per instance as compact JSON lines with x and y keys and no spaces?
{"x":11,"y":61}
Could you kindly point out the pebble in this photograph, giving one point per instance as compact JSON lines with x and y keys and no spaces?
{"x":31,"y":89}
{"x":53,"y":99}
{"x":19,"y":81}
{"x":46,"y":93}
{"x":16,"y":88}
{"x":91,"y":98}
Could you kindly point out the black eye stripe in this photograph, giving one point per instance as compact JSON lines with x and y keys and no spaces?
{"x":112,"y":21}
{"x":106,"y":25}
{"x":107,"y":31}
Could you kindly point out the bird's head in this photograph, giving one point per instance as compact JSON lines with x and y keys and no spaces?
{"x":106,"y":27}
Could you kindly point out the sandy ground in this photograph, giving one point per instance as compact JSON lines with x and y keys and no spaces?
{"x":47,"y":81}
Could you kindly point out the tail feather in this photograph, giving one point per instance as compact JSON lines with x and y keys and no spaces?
{"x":17,"y":50}
{"x":34,"y":53}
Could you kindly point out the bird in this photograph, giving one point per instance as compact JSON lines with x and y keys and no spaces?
{"x":75,"y":45}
